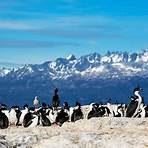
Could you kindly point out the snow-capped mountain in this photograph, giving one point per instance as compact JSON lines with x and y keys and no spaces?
{"x":4,"y":72}
{"x":115,"y":64}
{"x":78,"y":78}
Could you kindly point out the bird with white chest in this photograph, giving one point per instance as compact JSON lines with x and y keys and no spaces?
{"x":135,"y":103}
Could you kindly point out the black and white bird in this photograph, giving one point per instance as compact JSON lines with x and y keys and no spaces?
{"x":62,"y":117}
{"x":43,"y":115}
{"x":76,"y":113}
{"x":4,"y":122}
{"x":31,"y":119}
{"x":23,"y":113}
{"x":97,"y":110}
{"x":133,"y":109}
{"x":93,"y":110}
{"x":13,"y":115}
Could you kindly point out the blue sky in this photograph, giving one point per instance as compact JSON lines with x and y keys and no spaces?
{"x":34,"y":31}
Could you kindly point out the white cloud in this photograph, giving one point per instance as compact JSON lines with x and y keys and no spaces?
{"x":16,"y":25}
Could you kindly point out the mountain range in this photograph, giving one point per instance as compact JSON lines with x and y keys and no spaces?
{"x":89,"y":78}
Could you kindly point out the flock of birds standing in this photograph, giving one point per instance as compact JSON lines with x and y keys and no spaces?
{"x":45,"y":115}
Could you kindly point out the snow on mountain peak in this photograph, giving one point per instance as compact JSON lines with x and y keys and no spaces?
{"x":93,"y":65}
{"x":71,"y":57}
{"x":144,"y":56}
{"x":4,"y":72}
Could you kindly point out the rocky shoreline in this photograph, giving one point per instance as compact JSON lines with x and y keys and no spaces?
{"x":97,"y":132}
